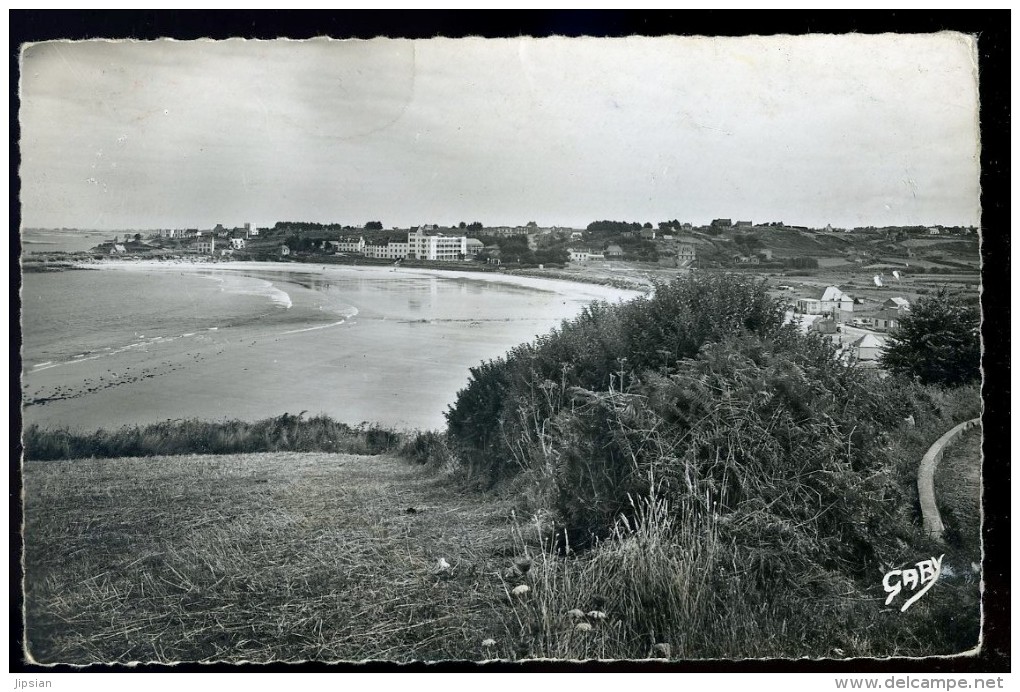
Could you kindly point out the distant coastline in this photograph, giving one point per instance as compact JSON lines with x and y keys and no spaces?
{"x":76,"y":261}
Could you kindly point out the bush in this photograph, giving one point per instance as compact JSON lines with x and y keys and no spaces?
{"x":428,"y":448}
{"x":502,"y":414}
{"x":697,"y":410}
{"x":284,"y":433}
{"x":938,"y":342}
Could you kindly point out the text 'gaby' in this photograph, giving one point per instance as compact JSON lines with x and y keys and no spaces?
{"x":917,"y":579}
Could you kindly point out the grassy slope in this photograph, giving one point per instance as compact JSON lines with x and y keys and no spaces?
{"x":958,"y":492}
{"x":259,"y":557}
{"x":312,"y":556}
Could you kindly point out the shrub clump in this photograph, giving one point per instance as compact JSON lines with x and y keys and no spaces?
{"x":701,"y":398}
{"x":286,"y":433}
{"x":502,"y":410}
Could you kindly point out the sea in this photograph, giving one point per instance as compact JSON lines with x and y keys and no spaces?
{"x":134,"y":343}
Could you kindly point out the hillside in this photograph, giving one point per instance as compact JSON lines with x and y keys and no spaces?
{"x":684,"y":476}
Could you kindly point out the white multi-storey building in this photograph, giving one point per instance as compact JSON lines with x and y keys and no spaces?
{"x":171,"y":233}
{"x":436,"y":247}
{"x":419,"y":245}
{"x":391,"y":250}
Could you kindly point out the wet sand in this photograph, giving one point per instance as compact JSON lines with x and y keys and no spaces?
{"x":399,"y":362}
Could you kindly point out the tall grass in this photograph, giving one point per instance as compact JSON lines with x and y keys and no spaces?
{"x":284,"y":433}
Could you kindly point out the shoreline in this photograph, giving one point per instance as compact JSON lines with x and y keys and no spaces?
{"x":555,"y":284}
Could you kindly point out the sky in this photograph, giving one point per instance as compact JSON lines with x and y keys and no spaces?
{"x":849,"y":130}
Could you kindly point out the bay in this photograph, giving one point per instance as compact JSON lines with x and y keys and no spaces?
{"x":135,"y":343}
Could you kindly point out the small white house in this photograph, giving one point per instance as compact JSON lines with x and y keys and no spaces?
{"x":834,"y":299}
{"x":237,"y":243}
{"x":584,"y":255}
{"x":868,"y":348}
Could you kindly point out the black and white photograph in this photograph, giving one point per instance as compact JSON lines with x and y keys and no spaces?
{"x":656,"y":349}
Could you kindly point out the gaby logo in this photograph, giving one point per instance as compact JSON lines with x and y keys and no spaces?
{"x":918,"y":579}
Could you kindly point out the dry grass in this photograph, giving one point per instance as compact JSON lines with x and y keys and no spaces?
{"x":258,"y":557}
{"x":290,"y":557}
{"x":958,"y":492}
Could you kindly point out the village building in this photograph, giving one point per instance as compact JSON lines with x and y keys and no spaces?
{"x":284,"y":251}
{"x":809,"y":306}
{"x":171,"y":233}
{"x":685,"y":254}
{"x":389,"y":250}
{"x":237,"y":243}
{"x":834,"y":299}
{"x":473,"y":246}
{"x":351,"y":244}
{"x":508,"y":231}
{"x":891,"y":313}
{"x":887,"y":320}
{"x":648,"y":233}
{"x":825,"y":325}
{"x":206,"y":246}
{"x":897,"y":303}
{"x":437,"y":247}
{"x":832,"y":302}
{"x":118,"y":249}
{"x":614,"y":251}
{"x":867,"y":349}
{"x":583,"y":255}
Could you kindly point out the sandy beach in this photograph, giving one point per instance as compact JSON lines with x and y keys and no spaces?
{"x":378,"y":345}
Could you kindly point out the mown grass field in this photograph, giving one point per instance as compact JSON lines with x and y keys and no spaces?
{"x":316,"y":556}
{"x":260,"y":557}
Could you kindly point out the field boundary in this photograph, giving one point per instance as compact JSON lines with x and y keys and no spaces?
{"x":931,"y":518}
